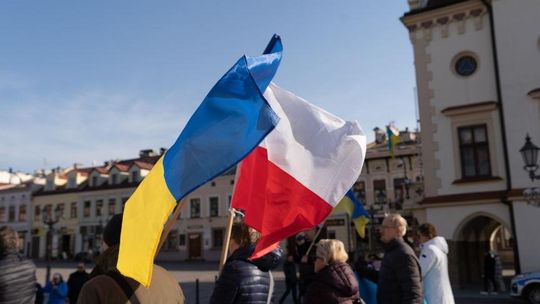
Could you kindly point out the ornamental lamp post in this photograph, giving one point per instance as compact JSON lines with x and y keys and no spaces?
{"x":49,"y":221}
{"x":529,"y":152}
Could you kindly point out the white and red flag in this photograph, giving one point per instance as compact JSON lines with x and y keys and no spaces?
{"x":299,"y":172}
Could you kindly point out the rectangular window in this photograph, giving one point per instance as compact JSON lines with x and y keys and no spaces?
{"x":94,"y":181}
{"x":398,"y":189}
{"x":182,"y":240}
{"x":72,"y":182}
{"x":73,"y":211}
{"x":11,"y":214}
{"x":61,"y":207}
{"x":217,"y":238}
{"x":135,"y":176}
{"x":48,"y":211}
{"x":22,"y":213}
{"x":87,"y":208}
{"x":37,"y":214}
{"x":331,"y":234}
{"x":172,"y":240}
{"x":124,"y":200}
{"x":195,"y":207}
{"x":3,"y":214}
{"x":112,"y":206}
{"x":99,"y":208}
{"x":359,"y":189}
{"x":379,"y":187}
{"x":114,"y":179}
{"x":474,"y":151}
{"x":214,"y":206}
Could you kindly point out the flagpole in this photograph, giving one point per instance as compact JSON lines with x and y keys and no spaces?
{"x":170,"y":223}
{"x":315,"y":238}
{"x":226,"y":240}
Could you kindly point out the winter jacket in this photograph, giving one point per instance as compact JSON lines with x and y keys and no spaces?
{"x":434,"y":265}
{"x":102,"y":288}
{"x":57,"y":294}
{"x":75,"y":283}
{"x":17,"y":279}
{"x":245,"y":281}
{"x":289,"y":269}
{"x":335,"y":283}
{"x":399,"y":278}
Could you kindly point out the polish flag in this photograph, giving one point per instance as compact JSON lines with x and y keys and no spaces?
{"x":299,"y":172}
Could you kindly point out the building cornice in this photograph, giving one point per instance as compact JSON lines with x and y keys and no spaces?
{"x":443,"y":16}
{"x":465,"y":198}
{"x":469,"y":108}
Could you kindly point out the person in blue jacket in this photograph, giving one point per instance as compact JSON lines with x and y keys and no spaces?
{"x":57,"y":290}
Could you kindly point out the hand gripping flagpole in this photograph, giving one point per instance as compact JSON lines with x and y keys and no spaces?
{"x":226,"y":240}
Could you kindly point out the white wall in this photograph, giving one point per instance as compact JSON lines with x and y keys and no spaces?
{"x":518,"y":33}
{"x":527,"y":227}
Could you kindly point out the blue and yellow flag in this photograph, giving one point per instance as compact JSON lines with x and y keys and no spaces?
{"x":393,"y":136}
{"x":230,"y":122}
{"x":359,"y":215}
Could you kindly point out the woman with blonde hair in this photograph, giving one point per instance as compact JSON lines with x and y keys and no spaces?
{"x":335,"y":281}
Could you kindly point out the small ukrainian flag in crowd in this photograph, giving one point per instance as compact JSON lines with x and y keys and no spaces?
{"x":359,"y":215}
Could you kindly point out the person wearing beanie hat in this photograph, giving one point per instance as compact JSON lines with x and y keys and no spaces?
{"x":107,"y":285}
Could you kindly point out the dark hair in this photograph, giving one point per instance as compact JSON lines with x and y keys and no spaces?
{"x":427,"y":230}
{"x":291,"y":245}
{"x":9,"y":240}
{"x":243,"y":235}
{"x":112,"y":231}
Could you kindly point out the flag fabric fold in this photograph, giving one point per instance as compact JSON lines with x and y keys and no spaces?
{"x":299,"y":172}
{"x":355,"y":209}
{"x":230,"y":122}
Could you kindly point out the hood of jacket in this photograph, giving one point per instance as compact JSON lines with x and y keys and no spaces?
{"x":267,"y":262}
{"x":341,"y":277}
{"x":438,"y":242}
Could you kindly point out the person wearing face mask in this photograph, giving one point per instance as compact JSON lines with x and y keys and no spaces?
{"x":107,"y":285}
{"x":57,"y":290}
{"x":335,"y":281}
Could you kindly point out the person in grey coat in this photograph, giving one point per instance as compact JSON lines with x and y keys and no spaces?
{"x":400,"y":281}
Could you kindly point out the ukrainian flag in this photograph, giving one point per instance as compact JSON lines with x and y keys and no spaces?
{"x":359,"y":215}
{"x":230,"y":122}
{"x":393,"y":136}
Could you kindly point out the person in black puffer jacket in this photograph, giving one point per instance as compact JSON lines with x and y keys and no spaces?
{"x":335,"y":281}
{"x":243,"y":280}
{"x":17,"y":274}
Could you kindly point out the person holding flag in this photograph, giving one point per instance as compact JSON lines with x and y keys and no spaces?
{"x":245,"y":280}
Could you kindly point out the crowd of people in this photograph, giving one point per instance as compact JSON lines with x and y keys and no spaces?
{"x":104,"y":284}
{"x":316,"y":271}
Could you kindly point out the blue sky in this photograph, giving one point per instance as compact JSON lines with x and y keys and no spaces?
{"x":89,"y":81}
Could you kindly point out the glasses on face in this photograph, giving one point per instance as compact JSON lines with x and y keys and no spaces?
{"x":388,"y":227}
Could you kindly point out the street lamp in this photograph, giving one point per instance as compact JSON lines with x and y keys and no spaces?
{"x":406,"y":180}
{"x":48,"y":220}
{"x":529,"y":152}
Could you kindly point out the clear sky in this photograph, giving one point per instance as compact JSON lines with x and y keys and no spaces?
{"x":89,"y":81}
